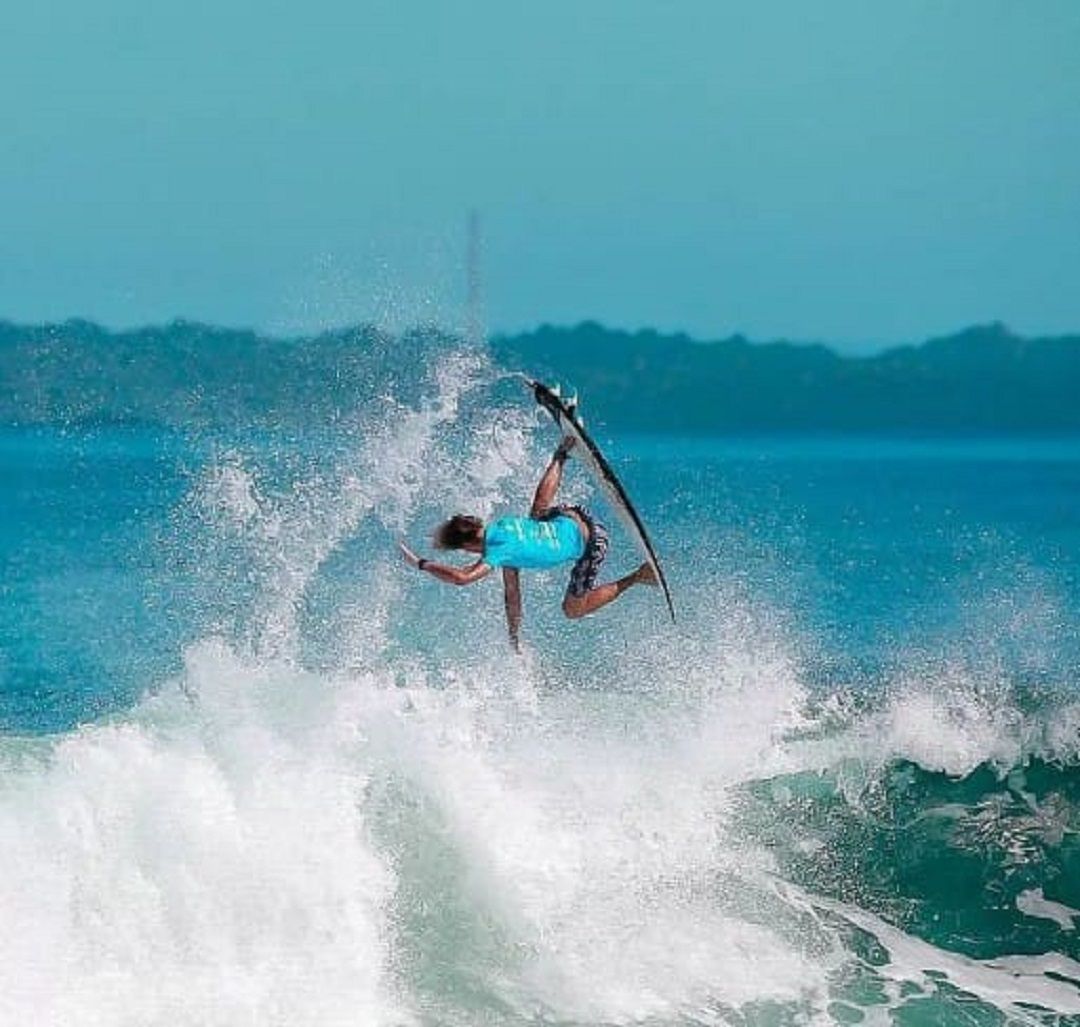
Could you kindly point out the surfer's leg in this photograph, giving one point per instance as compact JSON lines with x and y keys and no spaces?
{"x":583,"y":594}
{"x":575,"y":606}
{"x":544,"y":499}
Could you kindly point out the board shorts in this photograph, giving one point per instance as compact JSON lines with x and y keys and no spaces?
{"x":586,"y":570}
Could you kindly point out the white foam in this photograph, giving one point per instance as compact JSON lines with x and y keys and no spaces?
{"x":1032,"y":902}
{"x":949,"y":722}
{"x":592,"y":842}
{"x":952,"y":730}
{"x":1011,"y":984}
{"x":195,"y":868}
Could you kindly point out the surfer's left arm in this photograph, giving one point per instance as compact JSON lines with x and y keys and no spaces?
{"x":549,"y":483}
{"x":444,"y":571}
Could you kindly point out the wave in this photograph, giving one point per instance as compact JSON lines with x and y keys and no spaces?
{"x":468,"y":844}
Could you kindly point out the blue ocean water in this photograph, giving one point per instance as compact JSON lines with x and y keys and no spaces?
{"x":255,"y":770}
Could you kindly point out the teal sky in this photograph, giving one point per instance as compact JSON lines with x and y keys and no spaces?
{"x":849,"y":170}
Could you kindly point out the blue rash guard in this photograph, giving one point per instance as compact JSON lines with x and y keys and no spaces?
{"x":530,"y":544}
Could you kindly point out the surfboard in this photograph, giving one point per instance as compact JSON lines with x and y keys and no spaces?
{"x":565,"y":414}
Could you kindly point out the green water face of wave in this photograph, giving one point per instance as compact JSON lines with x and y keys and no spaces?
{"x":956,"y":898}
{"x":961,"y":863}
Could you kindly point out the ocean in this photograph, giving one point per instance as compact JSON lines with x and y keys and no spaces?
{"x":254,"y":770}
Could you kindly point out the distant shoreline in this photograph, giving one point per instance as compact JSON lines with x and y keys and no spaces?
{"x":982,"y":381}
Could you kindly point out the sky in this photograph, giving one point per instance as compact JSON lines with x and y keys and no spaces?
{"x":850,"y":171}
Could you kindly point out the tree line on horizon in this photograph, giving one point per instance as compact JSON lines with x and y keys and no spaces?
{"x":982,"y":380}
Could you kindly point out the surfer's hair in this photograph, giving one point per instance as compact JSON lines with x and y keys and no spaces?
{"x":460,"y":530}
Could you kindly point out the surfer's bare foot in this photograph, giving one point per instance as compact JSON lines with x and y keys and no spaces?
{"x":645,"y":575}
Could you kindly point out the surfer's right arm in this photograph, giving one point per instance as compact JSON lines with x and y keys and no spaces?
{"x":456,"y":575}
{"x":444,"y":571}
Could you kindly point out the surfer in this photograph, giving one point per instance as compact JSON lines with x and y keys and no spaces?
{"x":551,"y":535}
